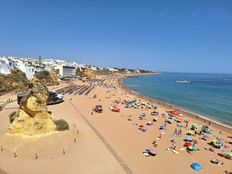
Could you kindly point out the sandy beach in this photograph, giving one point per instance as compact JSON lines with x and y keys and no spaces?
{"x":109,"y":142}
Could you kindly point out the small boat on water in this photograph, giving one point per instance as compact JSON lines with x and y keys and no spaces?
{"x":183,"y":81}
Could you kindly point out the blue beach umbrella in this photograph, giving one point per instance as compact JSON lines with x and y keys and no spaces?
{"x":188,"y":138}
{"x":154,"y":113}
{"x":220,"y":143}
{"x":180,"y":126}
{"x":195,"y":166}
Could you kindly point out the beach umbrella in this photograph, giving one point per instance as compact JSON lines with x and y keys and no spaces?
{"x":205,"y":129}
{"x":161,"y":127}
{"x":226,"y":152}
{"x":188,"y":138}
{"x":151,"y":151}
{"x":141,"y":126}
{"x":144,"y":129}
{"x":192,"y":148}
{"x":195,"y":126}
{"x":230,"y":154}
{"x":205,"y":137}
{"x":219,"y":144}
{"x":214,"y":140}
{"x":149,"y":123}
{"x":215,"y":161}
{"x":169,"y":121}
{"x":195,"y":166}
{"x":154,"y":113}
{"x":180,"y":126}
{"x":174,"y":112}
{"x":154,"y":119}
{"x":141,"y":118}
{"x":190,"y":132}
{"x":143,"y":114}
{"x":187,"y":144}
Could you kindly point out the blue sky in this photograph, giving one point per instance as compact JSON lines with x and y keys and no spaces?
{"x":174,"y":35}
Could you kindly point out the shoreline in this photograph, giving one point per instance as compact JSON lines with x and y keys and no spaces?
{"x":118,"y":142}
{"x":196,"y":117}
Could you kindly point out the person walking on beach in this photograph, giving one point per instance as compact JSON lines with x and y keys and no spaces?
{"x":154,"y":143}
{"x":180,"y":132}
{"x":36,"y":156}
{"x":15,"y":155}
{"x":175,"y":131}
{"x":187,"y":122}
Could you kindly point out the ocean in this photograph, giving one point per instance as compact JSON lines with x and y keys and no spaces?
{"x":209,"y":95}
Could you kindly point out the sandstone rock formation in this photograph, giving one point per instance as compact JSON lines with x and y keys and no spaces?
{"x":32,"y":117}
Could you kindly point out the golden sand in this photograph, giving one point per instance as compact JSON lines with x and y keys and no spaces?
{"x":108,"y":142}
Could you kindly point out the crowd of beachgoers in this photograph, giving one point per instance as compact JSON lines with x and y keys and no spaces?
{"x":191,"y":133}
{"x":171,"y":130}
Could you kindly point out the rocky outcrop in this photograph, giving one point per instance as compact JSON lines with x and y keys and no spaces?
{"x":33,"y":117}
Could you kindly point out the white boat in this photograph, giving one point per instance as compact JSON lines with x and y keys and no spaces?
{"x":183,"y":81}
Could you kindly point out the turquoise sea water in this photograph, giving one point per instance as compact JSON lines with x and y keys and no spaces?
{"x":209,"y":95}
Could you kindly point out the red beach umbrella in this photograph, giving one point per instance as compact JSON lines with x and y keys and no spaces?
{"x":187,"y":144}
{"x":175,"y":112}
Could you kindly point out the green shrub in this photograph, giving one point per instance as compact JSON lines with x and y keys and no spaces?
{"x":42,"y":75}
{"x":61,"y":125}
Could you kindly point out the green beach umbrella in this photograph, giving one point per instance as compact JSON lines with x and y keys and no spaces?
{"x":196,"y":125}
{"x":192,"y":148}
{"x":230,"y":154}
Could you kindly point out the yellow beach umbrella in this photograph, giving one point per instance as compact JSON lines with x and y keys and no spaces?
{"x":214,"y":140}
{"x":191,"y":132}
{"x":154,"y":118}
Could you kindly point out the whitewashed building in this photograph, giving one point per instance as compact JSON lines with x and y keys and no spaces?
{"x":66,"y":70}
{"x":5,"y":65}
{"x":112,"y":69}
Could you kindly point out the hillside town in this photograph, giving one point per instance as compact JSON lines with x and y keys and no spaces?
{"x":62,"y":68}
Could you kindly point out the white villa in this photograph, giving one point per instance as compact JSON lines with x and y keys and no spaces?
{"x":5,"y":65}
